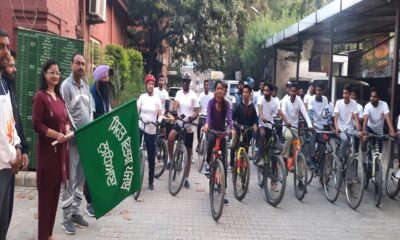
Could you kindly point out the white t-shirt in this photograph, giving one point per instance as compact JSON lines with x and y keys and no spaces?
{"x":307,"y":98}
{"x":269,"y":110}
{"x":163,"y":95}
{"x":256,"y":96}
{"x":204,"y":99}
{"x":319,"y":110}
{"x":376,"y":116}
{"x":292,"y":111}
{"x":276,"y":99}
{"x":346,"y":111}
{"x":360,"y":111}
{"x":148,"y":107}
{"x":188,"y":101}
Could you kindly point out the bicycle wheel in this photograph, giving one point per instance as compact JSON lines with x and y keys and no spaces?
{"x":202,"y":154}
{"x":241,"y":176}
{"x":274,"y":180}
{"x":378,"y":182}
{"x":217,"y":189}
{"x":177,"y":172}
{"x":161,"y":158}
{"x":354,"y":183}
{"x":142,"y":167}
{"x":392,"y":184}
{"x":305,"y":150}
{"x":331,"y":177}
{"x":300,"y":176}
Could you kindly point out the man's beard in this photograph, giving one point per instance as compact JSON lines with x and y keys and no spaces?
{"x":10,"y":79}
{"x":104,"y":90}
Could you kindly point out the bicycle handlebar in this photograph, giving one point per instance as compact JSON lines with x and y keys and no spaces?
{"x":243,"y":127}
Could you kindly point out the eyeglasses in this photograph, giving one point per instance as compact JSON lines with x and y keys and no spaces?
{"x":54,"y":73}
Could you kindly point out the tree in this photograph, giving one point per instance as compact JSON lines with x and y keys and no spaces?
{"x":194,"y":28}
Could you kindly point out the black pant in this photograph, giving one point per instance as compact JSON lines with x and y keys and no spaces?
{"x":150,"y":141}
{"x":6,"y":200}
{"x":235,"y":143}
{"x":202,"y":121}
{"x":210,"y":147}
{"x":87,"y":193}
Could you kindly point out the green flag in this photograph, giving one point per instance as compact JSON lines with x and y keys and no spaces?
{"x":108,"y":148}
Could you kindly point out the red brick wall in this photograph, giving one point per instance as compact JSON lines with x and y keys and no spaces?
{"x":61,"y":17}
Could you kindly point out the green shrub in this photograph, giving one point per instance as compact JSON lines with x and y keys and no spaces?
{"x":128,"y":72}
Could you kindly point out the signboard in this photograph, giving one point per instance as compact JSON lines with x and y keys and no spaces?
{"x":34,"y":49}
{"x":376,"y":62}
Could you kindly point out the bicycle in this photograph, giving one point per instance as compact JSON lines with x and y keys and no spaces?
{"x":202,"y":151}
{"x":300,"y":166}
{"x":179,"y":161}
{"x":323,"y":151}
{"x":392,"y":180}
{"x":373,"y":169}
{"x":217,"y":177}
{"x":271,"y":171}
{"x":241,"y":168}
{"x":161,"y":153}
{"x":143,"y":158}
{"x":352,"y":171}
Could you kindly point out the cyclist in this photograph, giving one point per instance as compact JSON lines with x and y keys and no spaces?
{"x":360,"y":111}
{"x":346,"y":117}
{"x":204,"y":98}
{"x":244,"y":114}
{"x":238,"y":94}
{"x":267,"y":108}
{"x":376,"y":112}
{"x":162,"y":93}
{"x":309,"y":95}
{"x":292,"y":107}
{"x":258,"y":94}
{"x":186,"y":103}
{"x":218,"y":112}
{"x":149,"y":109}
{"x":318,"y":110}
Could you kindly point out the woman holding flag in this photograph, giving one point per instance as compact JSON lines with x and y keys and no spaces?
{"x":149,"y":109}
{"x":50,"y":121}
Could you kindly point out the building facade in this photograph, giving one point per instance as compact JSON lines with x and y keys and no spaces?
{"x":99,"y":22}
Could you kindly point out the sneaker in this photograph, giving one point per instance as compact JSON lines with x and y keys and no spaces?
{"x":168,"y":167}
{"x":300,"y":185}
{"x":230,"y":169}
{"x":207,"y":169}
{"x":226,"y":202}
{"x":68,"y":227}
{"x":187,"y":184}
{"x":198,"y":148}
{"x":89,"y":210}
{"x":79,"y":221}
{"x":151,"y":187}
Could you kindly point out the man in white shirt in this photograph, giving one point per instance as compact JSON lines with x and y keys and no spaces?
{"x":267,"y":108}
{"x":162,"y":94}
{"x":346,"y":117}
{"x":310,"y":94}
{"x":318,"y":110}
{"x":185,"y":103}
{"x":257,"y":94}
{"x":204,"y":98}
{"x":291,"y":107}
{"x":376,"y":112}
{"x":360,"y":112}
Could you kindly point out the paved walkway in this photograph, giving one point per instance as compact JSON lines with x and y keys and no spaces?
{"x":187,"y":216}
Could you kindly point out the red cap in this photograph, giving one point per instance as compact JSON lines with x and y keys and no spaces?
{"x":148,"y":78}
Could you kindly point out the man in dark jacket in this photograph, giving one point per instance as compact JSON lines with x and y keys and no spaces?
{"x":244,"y":114}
